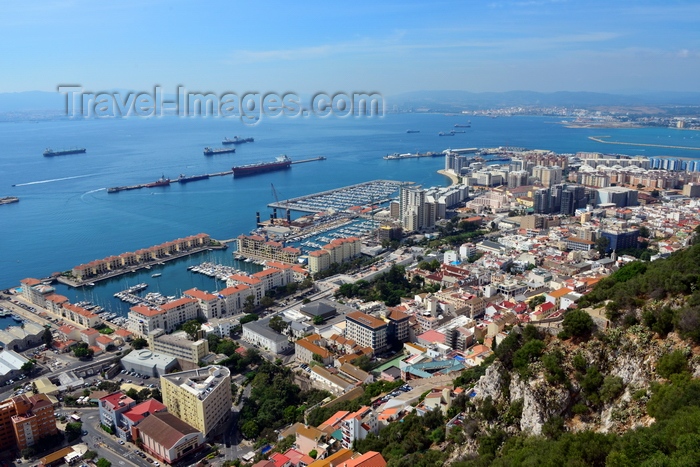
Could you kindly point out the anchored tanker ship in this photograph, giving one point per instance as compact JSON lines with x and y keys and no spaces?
{"x":210,"y":152}
{"x":50,"y":152}
{"x":237,"y":140}
{"x":280,"y":163}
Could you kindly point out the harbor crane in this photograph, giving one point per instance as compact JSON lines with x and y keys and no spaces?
{"x":277,"y":201}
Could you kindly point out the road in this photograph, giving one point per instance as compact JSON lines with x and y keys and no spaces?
{"x":234,"y":446}
{"x":107,"y":445}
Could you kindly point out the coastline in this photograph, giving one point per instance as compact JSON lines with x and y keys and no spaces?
{"x":454,"y":179}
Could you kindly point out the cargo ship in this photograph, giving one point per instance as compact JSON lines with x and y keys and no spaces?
{"x":280,"y":163}
{"x":50,"y":152}
{"x":237,"y":140}
{"x":412,"y":131}
{"x":192,"y":178}
{"x":9,"y":200}
{"x":210,"y":151}
{"x":460,"y":125}
{"x":160,"y":182}
{"x":442,"y":133}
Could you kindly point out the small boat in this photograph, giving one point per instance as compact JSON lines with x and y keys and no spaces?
{"x":156,"y":274}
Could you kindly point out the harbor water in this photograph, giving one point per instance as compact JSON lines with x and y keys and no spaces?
{"x":66,"y":217}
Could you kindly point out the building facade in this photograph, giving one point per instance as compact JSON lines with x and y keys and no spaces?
{"x":366,"y":330}
{"x":201,"y":396}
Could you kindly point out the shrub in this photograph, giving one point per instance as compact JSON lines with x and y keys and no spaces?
{"x":671,"y":364}
{"x":611,"y":389}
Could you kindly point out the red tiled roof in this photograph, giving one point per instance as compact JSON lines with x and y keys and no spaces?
{"x":146,"y":311}
{"x":199,"y":294}
{"x":176,"y":303}
{"x":116,"y":397}
{"x":104,"y":340}
{"x":30,"y":281}
{"x":165,"y":429}
{"x":432,"y":336}
{"x":142,"y":410}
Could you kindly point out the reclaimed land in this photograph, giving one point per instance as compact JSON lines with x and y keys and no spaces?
{"x":600,"y":139}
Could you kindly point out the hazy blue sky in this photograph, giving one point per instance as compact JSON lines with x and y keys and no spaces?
{"x":384,"y":46}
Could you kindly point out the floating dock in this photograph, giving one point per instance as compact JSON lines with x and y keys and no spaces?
{"x":342,"y":199}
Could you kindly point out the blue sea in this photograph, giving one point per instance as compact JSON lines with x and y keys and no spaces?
{"x":66,"y":217}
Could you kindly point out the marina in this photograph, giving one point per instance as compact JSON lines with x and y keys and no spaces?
{"x":219,"y":271}
{"x":342,"y":199}
{"x":321,"y":236}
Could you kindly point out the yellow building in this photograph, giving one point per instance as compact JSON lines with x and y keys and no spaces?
{"x":178,"y":345}
{"x":201,"y":397}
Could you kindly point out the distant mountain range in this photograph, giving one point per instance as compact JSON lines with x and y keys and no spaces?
{"x":464,"y":100}
{"x":54,"y":102}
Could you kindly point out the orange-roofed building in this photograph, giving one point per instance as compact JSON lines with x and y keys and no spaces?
{"x":144,"y":319}
{"x":103,"y":342}
{"x":89,"y":336}
{"x":234,"y":298}
{"x":556,"y":295}
{"x":212,"y":306}
{"x":257,"y":287}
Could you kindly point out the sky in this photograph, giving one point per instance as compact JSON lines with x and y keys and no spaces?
{"x":327,"y":46}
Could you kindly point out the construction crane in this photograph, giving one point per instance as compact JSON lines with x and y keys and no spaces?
{"x":277,"y":201}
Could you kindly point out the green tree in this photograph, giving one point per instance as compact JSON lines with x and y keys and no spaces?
{"x":250,"y":429}
{"x":313,"y":454}
{"x":249,"y":304}
{"x":537,"y":300}
{"x":192,"y":328}
{"x":602,"y":244}
{"x":73,"y":430}
{"x":28,"y":367}
{"x":644,"y":232}
{"x":278,"y":324}
{"x":578,"y":323}
{"x":363,"y":362}
{"x":267,"y":302}
{"x":29,"y":452}
{"x":83,"y":351}
{"x":139,"y":343}
{"x":318,"y":319}
{"x":156,"y":394}
{"x":249,"y":317}
{"x":47,"y":338}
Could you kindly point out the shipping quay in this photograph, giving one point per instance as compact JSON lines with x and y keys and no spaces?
{"x":319,"y":158}
{"x":113,"y":266}
{"x":342,"y":199}
{"x":163,"y":182}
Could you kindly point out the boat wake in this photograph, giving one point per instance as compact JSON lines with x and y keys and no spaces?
{"x":54,"y":180}
{"x":91,"y":191}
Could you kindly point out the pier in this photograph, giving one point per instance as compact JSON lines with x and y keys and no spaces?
{"x":167,"y":182}
{"x":319,"y":158}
